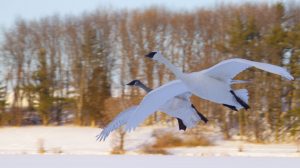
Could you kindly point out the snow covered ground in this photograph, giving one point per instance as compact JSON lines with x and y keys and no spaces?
{"x":72,"y":140}
{"x":142,"y":161}
{"x":64,"y":140}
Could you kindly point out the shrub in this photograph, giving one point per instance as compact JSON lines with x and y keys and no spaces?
{"x":167,"y":140}
{"x":150,"y":149}
{"x":197,"y":141}
{"x":117,"y":151}
{"x":241,"y":148}
{"x":118,"y":140}
{"x":41,"y":148}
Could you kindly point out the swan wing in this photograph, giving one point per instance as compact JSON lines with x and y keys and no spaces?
{"x":154,"y":100}
{"x":117,"y":122}
{"x":239,"y":81}
{"x":185,"y":96}
{"x":228,"y":69}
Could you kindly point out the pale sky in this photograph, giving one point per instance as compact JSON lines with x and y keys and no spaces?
{"x":35,"y":9}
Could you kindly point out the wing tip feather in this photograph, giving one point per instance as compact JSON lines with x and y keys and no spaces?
{"x":287,"y":75}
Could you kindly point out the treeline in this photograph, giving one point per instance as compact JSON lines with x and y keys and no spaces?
{"x":75,"y":69}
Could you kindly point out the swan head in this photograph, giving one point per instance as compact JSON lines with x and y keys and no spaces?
{"x":134,"y":83}
{"x":155,"y":55}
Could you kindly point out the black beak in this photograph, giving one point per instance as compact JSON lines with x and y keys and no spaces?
{"x":132,"y":82}
{"x":150,"y":55}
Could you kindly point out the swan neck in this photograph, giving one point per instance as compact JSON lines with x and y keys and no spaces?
{"x":172,"y":67}
{"x":141,"y":85}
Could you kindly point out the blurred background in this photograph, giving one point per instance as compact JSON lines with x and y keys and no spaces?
{"x":64,"y":68}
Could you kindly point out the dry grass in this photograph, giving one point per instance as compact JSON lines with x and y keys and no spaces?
{"x":117,"y":151}
{"x":41,"y":148}
{"x":149,"y":149}
{"x":298,"y":145}
{"x":57,"y":150}
{"x":117,"y":142}
{"x":241,"y":148}
{"x":165,"y":140}
{"x":197,"y":141}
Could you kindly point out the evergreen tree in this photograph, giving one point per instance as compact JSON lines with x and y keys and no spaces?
{"x":275,"y":49}
{"x":43,"y":88}
{"x":293,"y":89}
{"x":98,"y":82}
{"x":243,"y":39}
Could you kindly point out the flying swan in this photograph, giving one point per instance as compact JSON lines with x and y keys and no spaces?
{"x":179,"y":107}
{"x":213,"y":84}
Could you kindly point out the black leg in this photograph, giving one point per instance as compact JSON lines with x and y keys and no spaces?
{"x":231,"y":107}
{"x":181,"y":125}
{"x":200,"y":115}
{"x":239,"y":100}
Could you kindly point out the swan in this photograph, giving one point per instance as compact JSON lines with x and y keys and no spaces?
{"x":176,"y":107}
{"x":179,"y":107}
{"x":213,"y":84}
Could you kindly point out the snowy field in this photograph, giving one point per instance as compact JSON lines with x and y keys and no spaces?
{"x":70,"y":146}
{"x":149,"y":161}
{"x":72,"y":140}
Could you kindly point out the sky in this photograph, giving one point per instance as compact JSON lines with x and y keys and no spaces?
{"x":35,"y":9}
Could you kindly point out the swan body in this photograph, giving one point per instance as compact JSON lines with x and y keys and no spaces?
{"x":211,"y":89}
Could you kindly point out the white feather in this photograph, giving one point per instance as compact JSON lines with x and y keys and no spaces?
{"x":117,"y":122}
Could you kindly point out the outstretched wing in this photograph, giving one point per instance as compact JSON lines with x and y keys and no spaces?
{"x":154,"y":100}
{"x":228,"y":69}
{"x":117,"y":122}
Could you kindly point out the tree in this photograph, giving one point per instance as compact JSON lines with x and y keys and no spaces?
{"x":15,"y":51}
{"x":43,"y":88}
{"x":96,"y":54}
{"x":276,"y":46}
{"x":3,"y":104}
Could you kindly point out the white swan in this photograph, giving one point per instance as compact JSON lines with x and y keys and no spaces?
{"x":179,"y":107}
{"x":212,"y":84}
